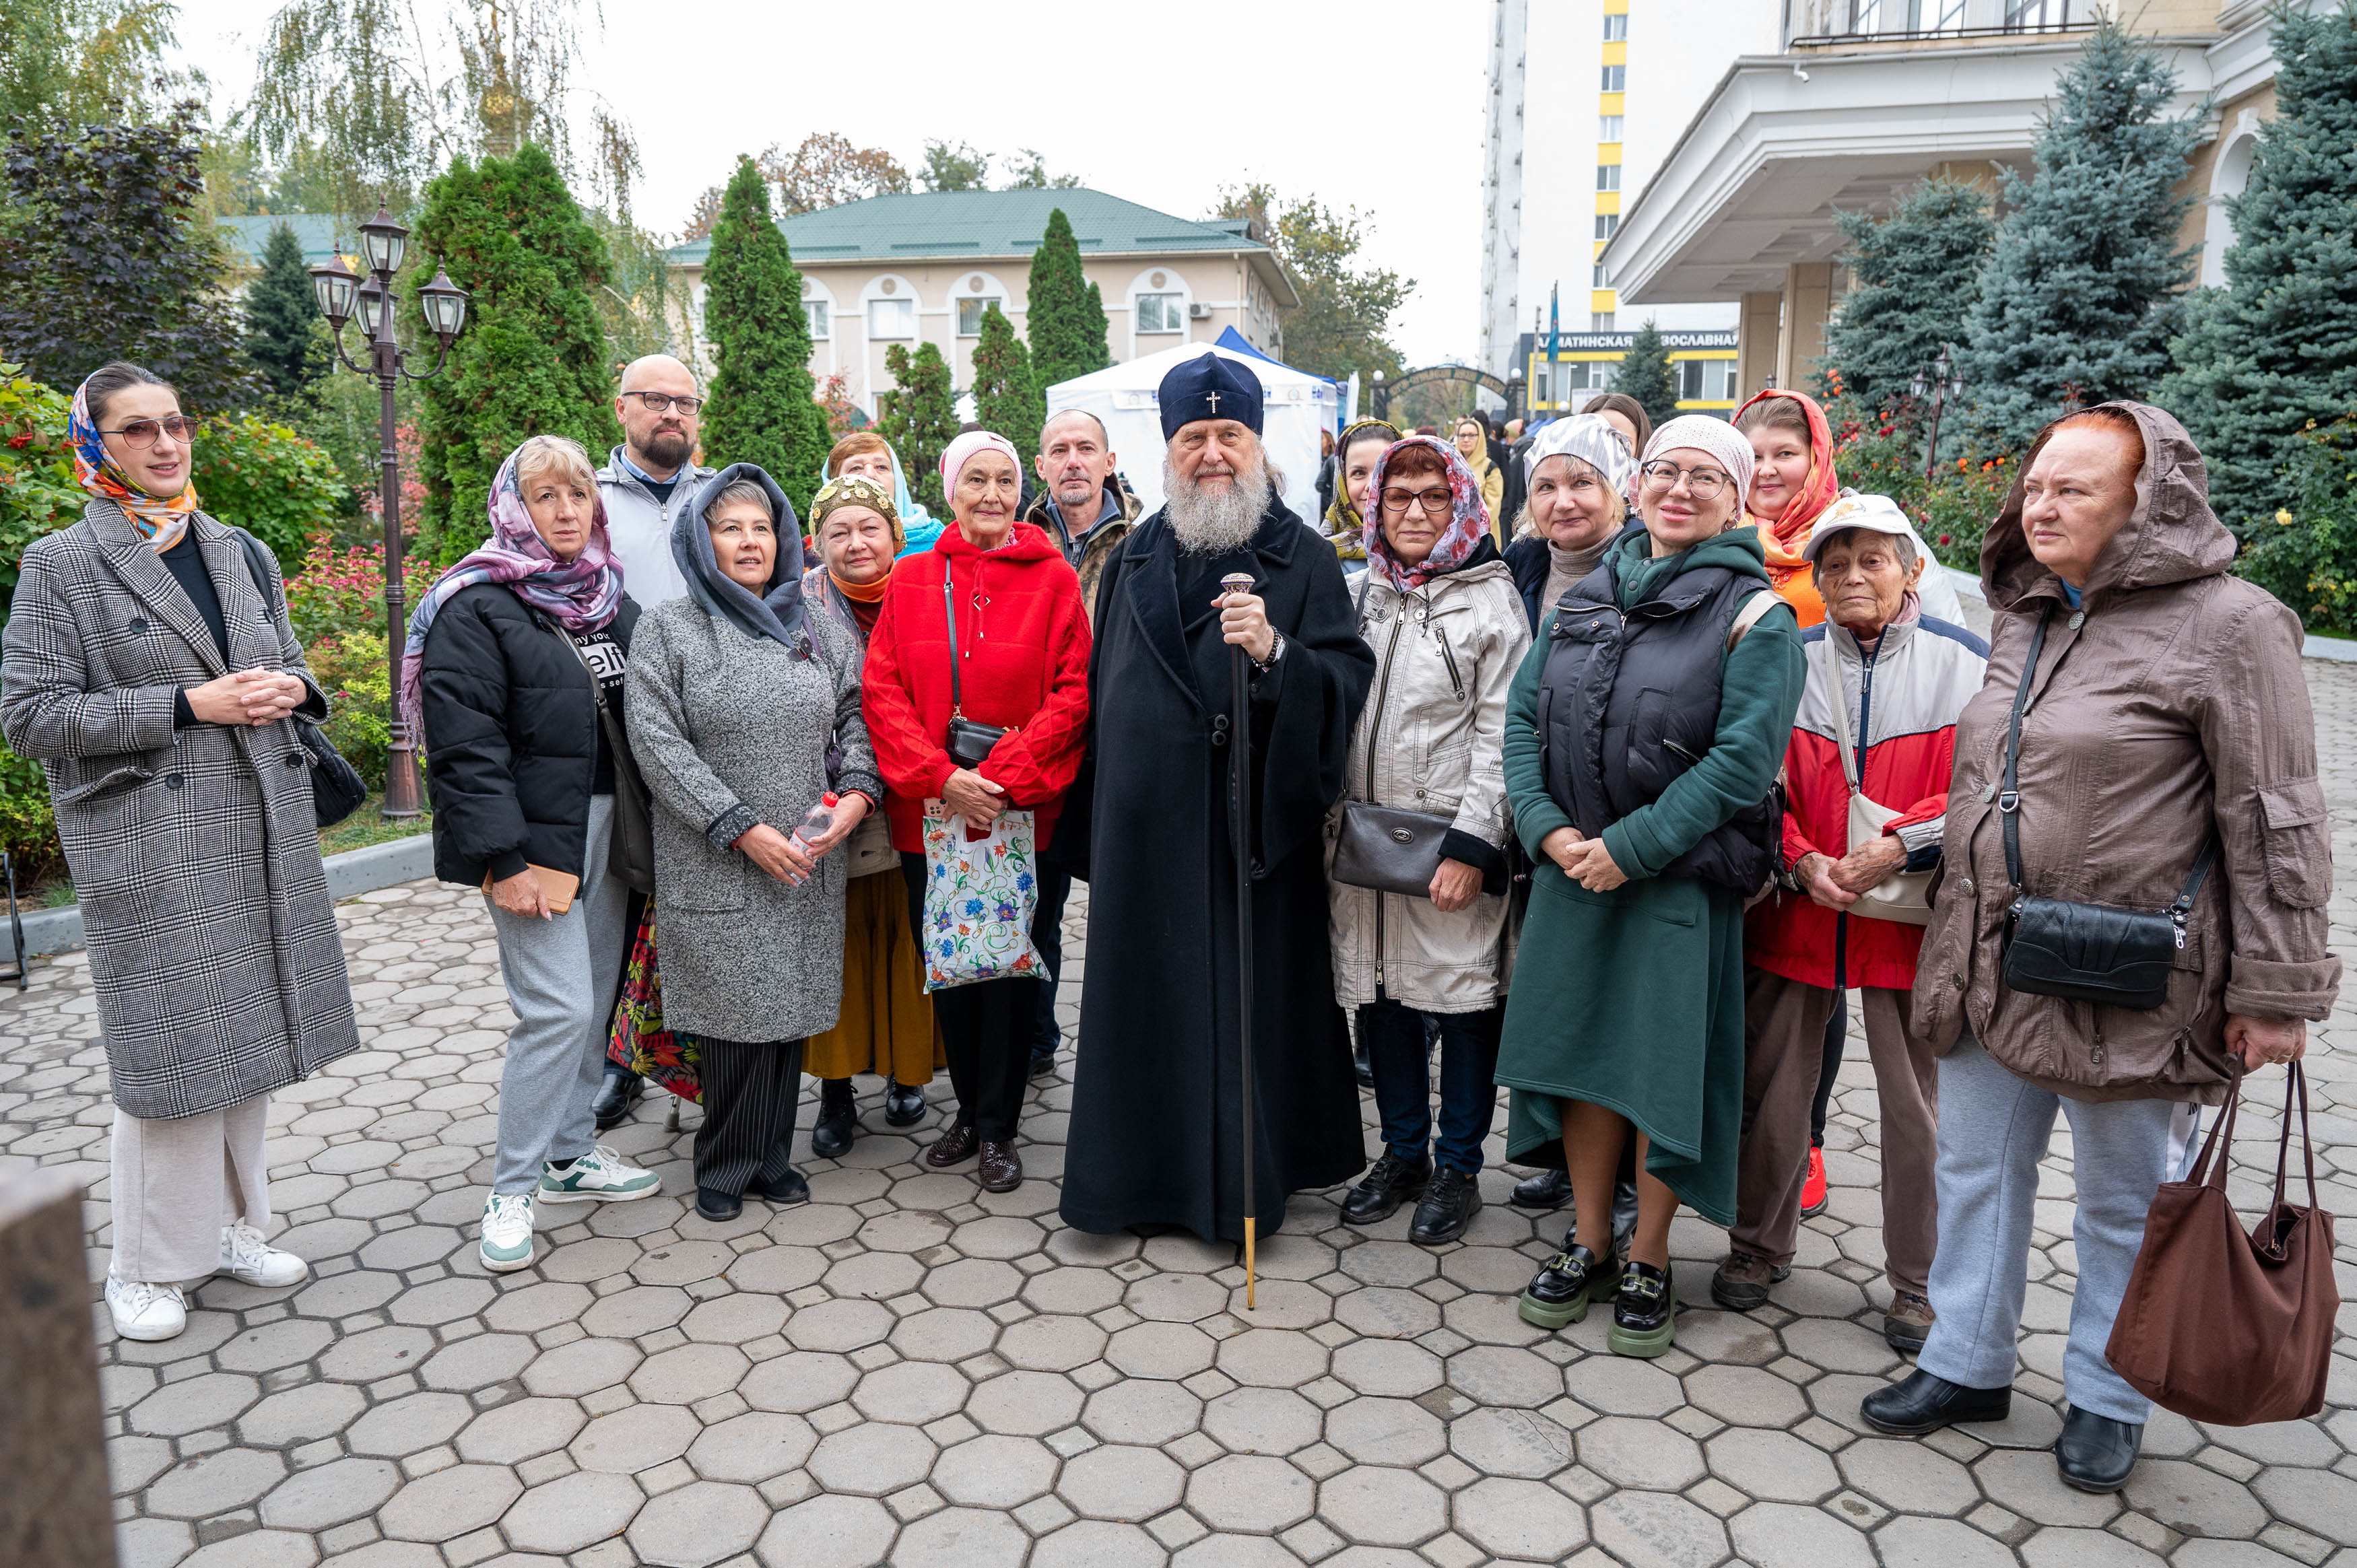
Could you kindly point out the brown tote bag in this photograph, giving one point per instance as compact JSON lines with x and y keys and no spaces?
{"x":2225,"y":1326}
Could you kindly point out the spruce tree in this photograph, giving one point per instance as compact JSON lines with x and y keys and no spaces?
{"x":1916,"y":272}
{"x":2084,"y":286}
{"x":1647,"y":376}
{"x":1065,"y":317}
{"x":764,"y":404}
{"x":2276,"y":349}
{"x":1006,"y":397}
{"x":920,"y":418}
{"x":279,"y":313}
{"x":532,"y":358}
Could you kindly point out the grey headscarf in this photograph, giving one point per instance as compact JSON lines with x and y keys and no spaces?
{"x":777,"y":612}
{"x":1589,"y":438}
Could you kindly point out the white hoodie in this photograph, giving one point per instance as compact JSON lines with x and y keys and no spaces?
{"x":639,"y":526}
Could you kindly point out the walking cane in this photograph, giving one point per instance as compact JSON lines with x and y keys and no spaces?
{"x":1239,"y":821}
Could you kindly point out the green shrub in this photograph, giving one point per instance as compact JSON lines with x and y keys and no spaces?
{"x":269,"y":480}
{"x":28,"y":829}
{"x":351,"y":668}
{"x":1880,"y":452}
{"x":2308,"y":557}
{"x":37,"y":492}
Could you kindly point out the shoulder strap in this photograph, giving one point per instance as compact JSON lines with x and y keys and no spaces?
{"x":2008,"y":800}
{"x":957,"y":697}
{"x":263,"y":567}
{"x":1840,"y":701}
{"x":1749,"y":616}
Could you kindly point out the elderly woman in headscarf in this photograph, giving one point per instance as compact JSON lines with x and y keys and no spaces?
{"x":865,"y":455}
{"x":1360,"y":448}
{"x":1471,"y":435}
{"x":744,"y":710}
{"x":1439,"y":609}
{"x":1577,"y":474}
{"x":887,"y":1023}
{"x":1019,"y":649}
{"x":1642,"y":737}
{"x":511,"y":657}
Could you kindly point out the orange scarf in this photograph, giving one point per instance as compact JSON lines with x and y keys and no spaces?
{"x":861,"y":593}
{"x":1783,"y":538}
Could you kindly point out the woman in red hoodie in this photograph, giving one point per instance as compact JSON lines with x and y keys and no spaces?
{"x":1021,"y":644}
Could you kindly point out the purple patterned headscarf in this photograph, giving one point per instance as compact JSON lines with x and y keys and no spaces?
{"x":579,"y":594}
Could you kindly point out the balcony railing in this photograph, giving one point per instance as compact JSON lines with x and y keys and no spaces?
{"x":1897,"y":21}
{"x":1938,"y":35}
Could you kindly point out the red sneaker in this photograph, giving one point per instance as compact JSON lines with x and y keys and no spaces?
{"x":1812,"y":1191}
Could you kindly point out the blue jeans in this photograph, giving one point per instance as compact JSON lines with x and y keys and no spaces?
{"x":1399,"y":1058}
{"x":1048,"y":936}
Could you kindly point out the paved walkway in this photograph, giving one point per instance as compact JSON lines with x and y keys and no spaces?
{"x":906,"y":1371}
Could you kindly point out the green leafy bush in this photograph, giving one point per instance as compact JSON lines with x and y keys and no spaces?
{"x":1880,"y":452}
{"x":2308,"y":557}
{"x":341,"y":591}
{"x":269,"y":480}
{"x":351,"y":670}
{"x":37,"y":492}
{"x":28,"y":829}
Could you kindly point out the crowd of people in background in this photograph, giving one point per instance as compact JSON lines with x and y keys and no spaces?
{"x":1598,"y":762}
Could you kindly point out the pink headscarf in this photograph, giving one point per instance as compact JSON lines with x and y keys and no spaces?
{"x":961,"y":451}
{"x":1469,"y":521}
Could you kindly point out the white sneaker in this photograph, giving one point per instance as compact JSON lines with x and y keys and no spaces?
{"x":507,"y":1232}
{"x":248,"y":1257}
{"x":599,"y":1174}
{"x":142,"y":1311}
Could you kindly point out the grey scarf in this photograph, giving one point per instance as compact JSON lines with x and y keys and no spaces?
{"x":777,"y":611}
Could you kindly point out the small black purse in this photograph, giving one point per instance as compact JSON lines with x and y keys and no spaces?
{"x":1389,"y":849}
{"x":968,"y":743}
{"x":2086,"y":952}
{"x":337,"y":787}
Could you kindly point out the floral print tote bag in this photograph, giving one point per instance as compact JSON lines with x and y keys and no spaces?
{"x":979,"y":895}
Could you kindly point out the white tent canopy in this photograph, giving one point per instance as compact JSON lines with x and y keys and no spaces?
{"x":1295,"y":407}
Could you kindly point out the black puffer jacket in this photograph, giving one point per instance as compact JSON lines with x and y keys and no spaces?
{"x":510,"y":737}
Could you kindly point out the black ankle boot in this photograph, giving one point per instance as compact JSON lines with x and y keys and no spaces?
{"x":1923,"y":1402}
{"x":2095,"y":1453}
{"x":1389,"y":1182}
{"x":831,"y":1134}
{"x":904,"y":1104}
{"x":1449,"y":1205}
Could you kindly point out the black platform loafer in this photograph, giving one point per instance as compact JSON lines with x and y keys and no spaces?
{"x":1558,"y":1294}
{"x":717,"y":1207}
{"x":1389,"y":1182}
{"x":904,"y":1104}
{"x":617,"y":1095}
{"x":2095,"y":1453}
{"x":788,"y":1189}
{"x":1924,"y":1401}
{"x":1644,"y":1312}
{"x":1449,"y":1205}
{"x":1548,"y":1189}
{"x":837,"y":1117}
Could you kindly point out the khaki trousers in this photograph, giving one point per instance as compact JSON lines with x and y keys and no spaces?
{"x":1784,"y":1038}
{"x":177,"y":1183}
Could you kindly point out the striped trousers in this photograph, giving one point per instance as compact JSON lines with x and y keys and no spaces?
{"x":750,"y":1094}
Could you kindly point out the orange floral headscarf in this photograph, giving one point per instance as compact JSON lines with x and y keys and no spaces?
{"x":1785,"y":537}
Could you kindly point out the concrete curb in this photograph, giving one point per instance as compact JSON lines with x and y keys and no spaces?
{"x":350,"y":874}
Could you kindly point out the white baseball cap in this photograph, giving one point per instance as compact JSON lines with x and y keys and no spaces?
{"x":1878,"y":514}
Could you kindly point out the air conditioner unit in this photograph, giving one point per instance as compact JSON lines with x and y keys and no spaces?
{"x":1198,"y":312}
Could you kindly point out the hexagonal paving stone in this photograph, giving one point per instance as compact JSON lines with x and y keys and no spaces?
{"x":571,"y":1512}
{"x":1096,"y":1543}
{"x":582,"y":1367}
{"x":799,"y":1383}
{"x":1024,"y":1405}
{"x":1644,"y":1453}
{"x":634,"y":1438}
{"x":450,"y":1503}
{"x":2315,"y":1500}
{"x":478,"y":1362}
{"x":752,"y":1447}
{"x":1051,"y":1343}
{"x":996,"y":1472}
{"x":828,"y":1532}
{"x":1387,"y":1367}
{"x":1386,"y":1431}
{"x":213,"y":1483}
{"x":1519,"y":1519}
{"x":1774,"y":1465}
{"x":962,"y":1538}
{"x":1745,"y":1396}
{"x":686,"y":1373}
{"x":1941,"y":1543}
{"x":410,"y":1424}
{"x":1383,"y":1507}
{"x":1653,"y":1530}
{"x":839,"y":1325}
{"x":874,"y":1459}
{"x":2025,"y":1481}
{"x":1262,"y":1421}
{"x":302,"y":1415}
{"x":1123,"y":1483}
{"x":1783,"y":1535}
{"x":521,"y":1429}
{"x":331,"y":1494}
{"x":1501,"y":1375}
{"x":945,"y":1333}
{"x":1155,"y":1350}
{"x":289,"y":1342}
{"x":257,"y":1548}
{"x":1138,"y":1410}
{"x":1246,"y":1492}
{"x":192,"y":1404}
{"x":911,"y":1392}
{"x":1510,"y":1442}
{"x":701,"y":1523}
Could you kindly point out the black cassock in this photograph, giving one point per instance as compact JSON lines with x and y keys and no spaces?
{"x":1154,"y":1134}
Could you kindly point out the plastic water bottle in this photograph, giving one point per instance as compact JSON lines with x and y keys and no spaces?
{"x":814,"y":823}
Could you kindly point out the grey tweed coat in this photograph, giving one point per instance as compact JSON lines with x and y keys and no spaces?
{"x":195,"y":852}
{"x":730,"y":730}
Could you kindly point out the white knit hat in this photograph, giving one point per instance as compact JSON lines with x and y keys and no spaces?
{"x":1715,"y":436}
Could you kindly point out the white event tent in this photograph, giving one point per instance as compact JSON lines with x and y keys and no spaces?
{"x":1295,"y":408}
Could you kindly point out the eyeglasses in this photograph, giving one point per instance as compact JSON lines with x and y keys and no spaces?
{"x":1703,"y":484}
{"x":664,"y":402}
{"x":1435,"y":502}
{"x":140,"y":434}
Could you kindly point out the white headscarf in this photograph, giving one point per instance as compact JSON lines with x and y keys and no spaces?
{"x":1591,"y":438}
{"x":1715,"y":436}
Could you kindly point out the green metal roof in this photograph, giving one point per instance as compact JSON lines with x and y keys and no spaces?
{"x":986,"y":224}
{"x":247,"y":236}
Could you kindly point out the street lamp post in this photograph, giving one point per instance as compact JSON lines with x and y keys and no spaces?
{"x":1939,"y":381}
{"x":1383,"y":399}
{"x":341,"y":293}
{"x":1515,"y":394}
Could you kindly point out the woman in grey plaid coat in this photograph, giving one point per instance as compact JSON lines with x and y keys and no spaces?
{"x":153,"y":675}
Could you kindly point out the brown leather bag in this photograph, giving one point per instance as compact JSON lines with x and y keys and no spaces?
{"x":2221,"y":1325}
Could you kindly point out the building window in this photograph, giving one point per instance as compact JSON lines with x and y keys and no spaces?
{"x":970,"y":312}
{"x":1601,"y":321}
{"x":1608,"y":127}
{"x":1951,"y":15}
{"x":891,"y":318}
{"x":1616,"y":79}
{"x":815,"y":313}
{"x":1607,"y":225}
{"x":1616,"y":28}
{"x":2031,"y":16}
{"x":1707,"y":381}
{"x":1608,"y":176}
{"x":1603,"y":277}
{"x":1167,"y":312}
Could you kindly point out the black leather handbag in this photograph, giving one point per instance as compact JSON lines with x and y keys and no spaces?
{"x":968,"y":743}
{"x":337,"y":787}
{"x":2087,"y":952}
{"x":1388,"y":849}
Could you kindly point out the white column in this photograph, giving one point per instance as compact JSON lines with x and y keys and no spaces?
{"x":1502,"y":184}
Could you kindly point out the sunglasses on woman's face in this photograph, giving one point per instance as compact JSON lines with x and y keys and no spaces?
{"x":140,"y":434}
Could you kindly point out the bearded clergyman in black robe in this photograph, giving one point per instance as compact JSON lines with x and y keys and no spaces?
{"x":1156,"y":1136}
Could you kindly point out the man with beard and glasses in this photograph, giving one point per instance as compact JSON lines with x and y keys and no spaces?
{"x":647,"y":480}
{"x":1082,"y":505}
{"x":1156,"y":1134}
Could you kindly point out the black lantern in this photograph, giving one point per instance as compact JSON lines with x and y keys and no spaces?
{"x":385,"y":242}
{"x":333,"y":287}
{"x":445,"y":304}
{"x":371,"y":295}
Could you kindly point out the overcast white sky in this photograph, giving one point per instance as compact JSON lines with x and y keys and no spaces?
{"x":1375,"y":103}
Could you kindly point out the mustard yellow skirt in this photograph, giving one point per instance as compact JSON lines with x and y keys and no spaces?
{"x":887,"y":1025}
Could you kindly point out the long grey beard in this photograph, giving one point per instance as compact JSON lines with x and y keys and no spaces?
{"x":1208,"y":523}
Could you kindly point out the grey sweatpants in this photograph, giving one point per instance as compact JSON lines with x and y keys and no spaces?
{"x":560,"y":974}
{"x":1993,"y":1129}
{"x":176,"y":1184}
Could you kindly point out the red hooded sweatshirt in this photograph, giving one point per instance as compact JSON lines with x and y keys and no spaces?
{"x":1023,"y":637}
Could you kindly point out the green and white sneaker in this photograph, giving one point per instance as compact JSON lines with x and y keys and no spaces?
{"x":507,"y":1232}
{"x":599,"y":1176}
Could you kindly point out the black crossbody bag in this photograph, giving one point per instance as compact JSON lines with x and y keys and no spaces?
{"x":337,"y":787}
{"x":2087,"y":952}
{"x":967,"y":743}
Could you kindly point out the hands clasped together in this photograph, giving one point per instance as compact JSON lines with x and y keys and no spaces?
{"x":254,"y":697}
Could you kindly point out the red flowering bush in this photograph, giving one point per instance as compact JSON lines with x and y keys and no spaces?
{"x":342,"y":591}
{"x":1880,"y":451}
